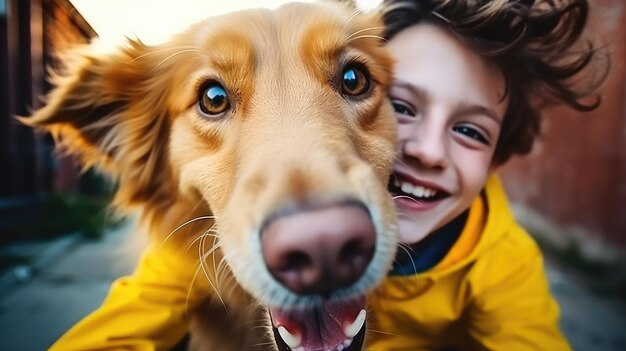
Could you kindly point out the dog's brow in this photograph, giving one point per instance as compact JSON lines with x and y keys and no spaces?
{"x":231,"y":55}
{"x":321,"y":45}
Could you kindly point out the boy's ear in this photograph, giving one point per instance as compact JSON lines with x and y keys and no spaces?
{"x":102,"y":110}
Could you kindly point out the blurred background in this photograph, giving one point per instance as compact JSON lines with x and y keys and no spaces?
{"x":59,"y":250}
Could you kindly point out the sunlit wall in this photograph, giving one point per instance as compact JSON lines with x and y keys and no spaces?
{"x":153,"y":21}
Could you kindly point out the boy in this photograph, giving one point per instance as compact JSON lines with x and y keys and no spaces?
{"x":465,"y":78}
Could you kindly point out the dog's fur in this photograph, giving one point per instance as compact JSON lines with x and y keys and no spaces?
{"x":290,"y":136}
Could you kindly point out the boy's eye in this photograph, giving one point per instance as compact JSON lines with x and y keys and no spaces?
{"x":471,"y":133}
{"x":403,"y":108}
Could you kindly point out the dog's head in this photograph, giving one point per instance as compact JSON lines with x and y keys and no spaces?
{"x":276,"y":121}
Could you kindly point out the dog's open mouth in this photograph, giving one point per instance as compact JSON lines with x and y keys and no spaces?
{"x":332,"y":326}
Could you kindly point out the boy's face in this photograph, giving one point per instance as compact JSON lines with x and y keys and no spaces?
{"x":449,"y":105}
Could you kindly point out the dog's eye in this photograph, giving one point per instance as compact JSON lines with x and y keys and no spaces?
{"x":214,"y":99}
{"x":355,"y":81}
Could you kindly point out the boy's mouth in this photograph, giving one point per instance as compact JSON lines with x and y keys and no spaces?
{"x":401,"y":186}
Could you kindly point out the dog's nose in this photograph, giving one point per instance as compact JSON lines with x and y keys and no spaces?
{"x":321,"y":250}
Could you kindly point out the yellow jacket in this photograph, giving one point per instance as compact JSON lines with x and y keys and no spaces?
{"x":489,"y":293}
{"x":146,"y":311}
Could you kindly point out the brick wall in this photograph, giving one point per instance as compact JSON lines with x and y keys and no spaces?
{"x":576,"y":176}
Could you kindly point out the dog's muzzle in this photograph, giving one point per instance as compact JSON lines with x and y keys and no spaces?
{"x":320,"y":251}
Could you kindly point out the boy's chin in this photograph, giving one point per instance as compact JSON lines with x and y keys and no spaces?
{"x":413,"y":230}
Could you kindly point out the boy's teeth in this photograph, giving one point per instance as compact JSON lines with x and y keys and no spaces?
{"x":417,"y":190}
{"x":407,"y":188}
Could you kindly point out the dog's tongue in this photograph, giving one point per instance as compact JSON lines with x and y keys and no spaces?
{"x":331,"y":326}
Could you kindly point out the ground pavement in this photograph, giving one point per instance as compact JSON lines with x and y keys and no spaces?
{"x":71,"y":277}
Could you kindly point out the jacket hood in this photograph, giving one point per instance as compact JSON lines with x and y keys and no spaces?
{"x":488,"y":221}
{"x":497,"y":220}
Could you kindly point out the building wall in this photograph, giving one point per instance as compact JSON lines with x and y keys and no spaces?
{"x":30,"y":34}
{"x":576,"y":176}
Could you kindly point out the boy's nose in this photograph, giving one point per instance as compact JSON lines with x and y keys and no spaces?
{"x":427,"y":148}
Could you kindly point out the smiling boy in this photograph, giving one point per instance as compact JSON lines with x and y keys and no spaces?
{"x":468,"y":276}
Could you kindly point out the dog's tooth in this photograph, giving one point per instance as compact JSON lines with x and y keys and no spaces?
{"x":347,"y":343}
{"x":353,"y":328}
{"x":293,"y":341}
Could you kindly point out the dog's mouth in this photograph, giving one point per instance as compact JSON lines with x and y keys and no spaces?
{"x":332,"y":326}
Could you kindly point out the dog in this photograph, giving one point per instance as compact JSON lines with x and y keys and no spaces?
{"x":276,"y":124}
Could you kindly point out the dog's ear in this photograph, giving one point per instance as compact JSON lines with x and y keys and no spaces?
{"x":110,"y":111}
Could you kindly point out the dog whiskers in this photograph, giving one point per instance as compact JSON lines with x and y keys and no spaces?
{"x":349,"y":38}
{"x":203,"y":257}
{"x":218,"y":280}
{"x":205,"y":234}
{"x":186,"y":223}
{"x":352,"y":15}
{"x":176,"y":54}
{"x":161,"y":51}
{"x":257,"y":324}
{"x":382,"y":332}
{"x":406,"y":249}
{"x":260,"y":344}
{"x":368,"y":36}
{"x":221,"y":270}
{"x":203,"y":254}
{"x":193,"y":281}
{"x":407,"y":246}
{"x":405,"y":197}
{"x":191,"y":285}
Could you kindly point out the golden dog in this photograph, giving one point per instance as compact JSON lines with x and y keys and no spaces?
{"x":277,"y":124}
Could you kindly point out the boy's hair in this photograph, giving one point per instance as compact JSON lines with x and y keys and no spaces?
{"x":531,"y":41}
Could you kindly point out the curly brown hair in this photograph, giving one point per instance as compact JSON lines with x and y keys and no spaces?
{"x":533,"y":42}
